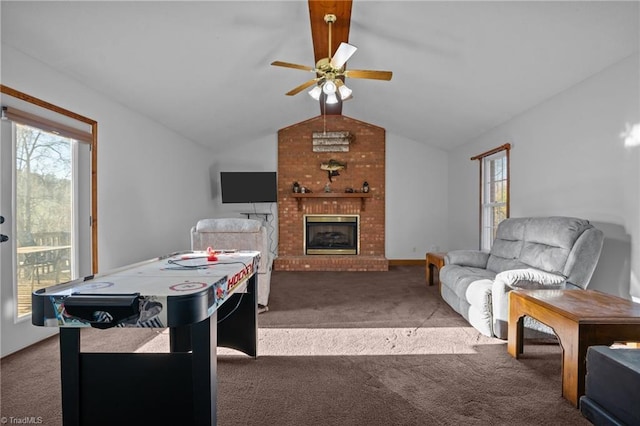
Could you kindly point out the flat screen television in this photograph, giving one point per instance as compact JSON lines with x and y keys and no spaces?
{"x":248,"y":187}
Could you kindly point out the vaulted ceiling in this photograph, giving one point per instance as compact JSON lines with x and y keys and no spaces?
{"x":203,"y":68}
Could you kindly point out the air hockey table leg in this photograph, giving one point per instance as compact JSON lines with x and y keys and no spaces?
{"x":238,"y":320}
{"x":70,"y":375}
{"x":204,"y":371}
{"x":237,"y":324}
{"x":93,"y":384}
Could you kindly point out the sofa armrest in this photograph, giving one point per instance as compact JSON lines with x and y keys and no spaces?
{"x":473,"y":258}
{"x":531,"y":278}
{"x":506,"y":281}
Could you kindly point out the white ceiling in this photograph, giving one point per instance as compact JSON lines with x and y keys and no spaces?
{"x":202,"y":68}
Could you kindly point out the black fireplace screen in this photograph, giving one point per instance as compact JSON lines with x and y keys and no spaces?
{"x":331,"y":234}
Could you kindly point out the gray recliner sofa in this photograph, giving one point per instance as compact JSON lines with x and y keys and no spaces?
{"x":535,"y":252}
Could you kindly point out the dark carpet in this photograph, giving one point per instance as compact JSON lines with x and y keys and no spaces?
{"x":343,"y":348}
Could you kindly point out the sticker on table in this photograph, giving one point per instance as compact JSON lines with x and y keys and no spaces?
{"x":150,"y":310}
{"x":187,"y":286}
{"x":64,"y":319}
{"x":95,"y":285}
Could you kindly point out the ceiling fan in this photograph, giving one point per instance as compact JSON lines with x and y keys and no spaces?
{"x":330,"y":72}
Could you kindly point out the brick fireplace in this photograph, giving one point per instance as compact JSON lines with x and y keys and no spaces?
{"x":298,"y":162}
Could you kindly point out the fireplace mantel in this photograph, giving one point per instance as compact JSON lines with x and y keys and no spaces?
{"x":361,"y":195}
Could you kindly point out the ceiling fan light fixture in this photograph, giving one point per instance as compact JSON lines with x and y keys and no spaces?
{"x":330,"y":71}
{"x":315,"y":93}
{"x":329,"y":88}
{"x":345,"y":92}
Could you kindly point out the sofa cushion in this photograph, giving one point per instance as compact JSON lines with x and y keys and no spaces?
{"x":507,"y":245}
{"x":548,"y":241}
{"x":509,"y":237}
{"x":474,"y":258}
{"x":458,"y":278}
{"x":499,"y":264}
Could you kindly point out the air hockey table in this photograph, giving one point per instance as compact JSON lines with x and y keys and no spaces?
{"x":205,"y":300}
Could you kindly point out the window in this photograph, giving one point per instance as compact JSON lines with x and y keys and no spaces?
{"x":49,"y":200}
{"x":44,"y":211}
{"x":494,"y":192}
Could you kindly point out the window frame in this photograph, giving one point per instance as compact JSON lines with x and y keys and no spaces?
{"x":486,"y":226}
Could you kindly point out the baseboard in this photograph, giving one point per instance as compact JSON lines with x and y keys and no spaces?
{"x":406,"y":262}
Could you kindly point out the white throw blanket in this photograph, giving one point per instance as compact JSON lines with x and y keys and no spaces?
{"x":530,"y":278}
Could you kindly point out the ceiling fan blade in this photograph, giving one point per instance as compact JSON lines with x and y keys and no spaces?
{"x":290,"y":65}
{"x":302,"y":87}
{"x":342,"y":55}
{"x":370,"y":74}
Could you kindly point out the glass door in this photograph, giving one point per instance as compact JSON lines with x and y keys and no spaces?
{"x":45,"y":201}
{"x":43,"y":212}
{"x":15,"y":327}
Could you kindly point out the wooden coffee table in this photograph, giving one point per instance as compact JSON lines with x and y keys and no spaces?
{"x":580,"y":318}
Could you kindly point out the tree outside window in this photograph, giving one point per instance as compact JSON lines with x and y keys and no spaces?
{"x":43,"y":179}
{"x":44,"y":210}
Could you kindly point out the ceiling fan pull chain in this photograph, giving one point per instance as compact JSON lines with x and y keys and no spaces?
{"x":329,"y":47}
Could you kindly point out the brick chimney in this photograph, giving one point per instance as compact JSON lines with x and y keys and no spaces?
{"x":298,"y":162}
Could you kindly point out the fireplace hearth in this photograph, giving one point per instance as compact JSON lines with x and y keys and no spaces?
{"x":331,"y":234}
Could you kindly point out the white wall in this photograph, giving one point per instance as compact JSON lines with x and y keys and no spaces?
{"x":416,"y":198}
{"x":567,"y":158}
{"x":260,"y":155}
{"x":247,"y":156}
{"x":152,"y":183}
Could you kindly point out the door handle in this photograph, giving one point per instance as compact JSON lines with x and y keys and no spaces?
{"x":3,"y":237}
